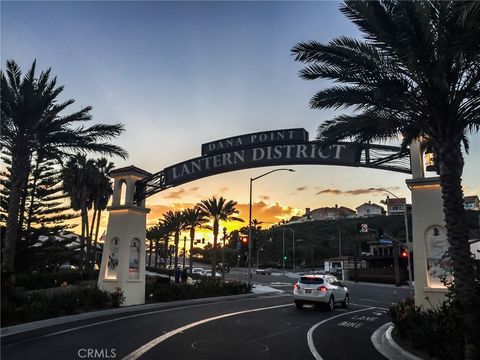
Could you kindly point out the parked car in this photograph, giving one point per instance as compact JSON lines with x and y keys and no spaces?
{"x":223,"y":267}
{"x":198,"y":270}
{"x":267,"y":271}
{"x":209,"y":274}
{"x":67,"y":267}
{"x":323,"y":290}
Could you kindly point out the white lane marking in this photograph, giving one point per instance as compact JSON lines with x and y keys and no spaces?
{"x":378,"y":301}
{"x":143,"y":349}
{"x":311,"y":345}
{"x":129,"y":317}
{"x":376,"y":307}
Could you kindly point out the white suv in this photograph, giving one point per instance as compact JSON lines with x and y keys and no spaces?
{"x":320,"y":289}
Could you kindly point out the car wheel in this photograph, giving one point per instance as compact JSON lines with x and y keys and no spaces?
{"x":299,"y":304}
{"x":346,"y":302}
{"x":331,"y":303}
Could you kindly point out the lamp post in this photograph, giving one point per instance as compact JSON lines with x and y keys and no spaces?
{"x":293,"y":255}
{"x":250,"y":221}
{"x":405,"y":216}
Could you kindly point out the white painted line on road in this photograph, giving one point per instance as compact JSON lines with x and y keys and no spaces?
{"x":148,"y":346}
{"x":376,"y":307}
{"x":310,"y":342}
{"x":378,"y":301}
{"x":129,"y":317}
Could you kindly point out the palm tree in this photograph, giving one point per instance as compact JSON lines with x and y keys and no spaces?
{"x":416,"y":76}
{"x":153,"y":234}
{"x":175,"y":221}
{"x":102,"y":190}
{"x":194,"y":218}
{"x":32,"y":120}
{"x":78,"y":183}
{"x":218,"y":210}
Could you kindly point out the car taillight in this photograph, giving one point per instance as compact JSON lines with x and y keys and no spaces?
{"x":296,"y":286}
{"x":322,"y":289}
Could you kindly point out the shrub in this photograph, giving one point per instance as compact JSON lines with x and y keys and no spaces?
{"x":20,"y":306}
{"x":438,"y":331}
{"x":36,"y":281}
{"x":158,"y":292}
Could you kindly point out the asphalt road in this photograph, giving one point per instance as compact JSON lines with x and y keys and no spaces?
{"x":262,"y":327}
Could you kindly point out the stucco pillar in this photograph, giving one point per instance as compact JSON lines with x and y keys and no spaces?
{"x":123,"y":257}
{"x":430,"y":244}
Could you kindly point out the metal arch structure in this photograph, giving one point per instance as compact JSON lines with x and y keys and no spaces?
{"x":272,"y":148}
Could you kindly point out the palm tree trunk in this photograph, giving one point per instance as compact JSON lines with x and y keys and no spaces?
{"x":99,"y":216}
{"x":166,"y":249}
{"x":88,"y":240}
{"x":157,"y":250}
{"x":82,"y":240}
{"x":192,"y":237}
{"x":214,"y":254}
{"x":177,"y":239}
{"x":451,"y":168}
{"x":150,"y":253}
{"x":18,"y":178}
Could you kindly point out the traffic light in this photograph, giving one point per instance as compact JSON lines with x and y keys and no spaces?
{"x":380,"y":233}
{"x":359,"y":228}
{"x":285,"y":257}
{"x":244,"y":239}
{"x":404,"y":253}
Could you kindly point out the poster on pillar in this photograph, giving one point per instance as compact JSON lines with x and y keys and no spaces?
{"x":439,"y":262}
{"x":113,"y":260}
{"x":134,"y":260}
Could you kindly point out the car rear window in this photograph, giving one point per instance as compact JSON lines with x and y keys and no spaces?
{"x":311,"y":280}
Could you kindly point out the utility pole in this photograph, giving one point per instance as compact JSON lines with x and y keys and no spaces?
{"x":339,"y":241}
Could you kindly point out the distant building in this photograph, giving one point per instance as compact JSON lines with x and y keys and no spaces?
{"x":472,"y":203}
{"x":395,"y":206}
{"x":369,"y":209}
{"x":325,"y":213}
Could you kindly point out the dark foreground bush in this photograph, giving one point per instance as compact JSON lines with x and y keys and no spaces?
{"x":439,"y":331}
{"x":36,"y":281}
{"x":19,"y":306}
{"x":158,"y":292}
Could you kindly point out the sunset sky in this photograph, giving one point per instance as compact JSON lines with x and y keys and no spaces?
{"x":180,"y":74}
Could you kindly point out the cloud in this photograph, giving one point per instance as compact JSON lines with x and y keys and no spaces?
{"x":175,"y":194}
{"x":264,"y":197}
{"x":371,"y":191}
{"x":193,"y":189}
{"x":267,"y":213}
{"x":302,"y":188}
{"x":223,"y":190}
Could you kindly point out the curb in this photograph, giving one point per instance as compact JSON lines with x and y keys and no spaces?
{"x":35,"y":325}
{"x":382,"y":341}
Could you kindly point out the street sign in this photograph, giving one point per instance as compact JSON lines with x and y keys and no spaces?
{"x":385,"y":241}
{"x":364,"y":228}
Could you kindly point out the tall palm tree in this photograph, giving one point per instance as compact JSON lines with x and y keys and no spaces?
{"x":194,"y":217}
{"x":78,"y":183}
{"x":416,"y":76}
{"x":218,"y":210}
{"x":175,"y":221}
{"x":33,"y":119}
{"x":102,"y":191}
{"x":153,"y":235}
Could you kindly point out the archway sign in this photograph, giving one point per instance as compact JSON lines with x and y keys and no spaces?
{"x":123,"y":258}
{"x":271,"y":148}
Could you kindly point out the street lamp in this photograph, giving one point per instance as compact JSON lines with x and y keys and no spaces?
{"x":293,"y":255}
{"x":405,"y":216}
{"x":250,"y":221}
